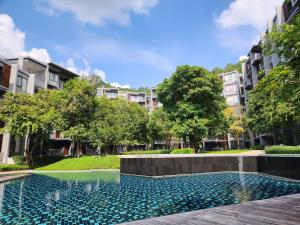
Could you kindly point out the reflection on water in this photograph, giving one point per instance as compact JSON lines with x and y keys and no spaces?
{"x":108,"y":198}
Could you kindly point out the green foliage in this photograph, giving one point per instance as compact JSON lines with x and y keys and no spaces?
{"x":285,"y":42}
{"x":12,"y":167}
{"x":165,"y":151}
{"x":84,"y":163}
{"x":258,"y":147}
{"x":192,"y":98}
{"x":147,"y":152}
{"x":281,"y":149}
{"x":228,"y":68}
{"x":160,"y":127}
{"x":275,"y":102}
{"x":30,"y":116}
{"x":118,"y":123}
{"x":183,"y":151}
{"x":236,"y":151}
{"x":76,"y":105}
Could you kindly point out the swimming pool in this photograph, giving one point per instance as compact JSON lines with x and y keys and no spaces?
{"x":108,"y":198}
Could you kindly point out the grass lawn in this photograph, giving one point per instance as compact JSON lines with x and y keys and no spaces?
{"x":12,"y":167}
{"x":84,"y":163}
{"x":225,"y":152}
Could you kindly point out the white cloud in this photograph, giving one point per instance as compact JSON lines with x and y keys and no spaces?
{"x":243,"y":57}
{"x":39,"y":53}
{"x":12,"y":41}
{"x":254,"y":13}
{"x":11,"y":38}
{"x":127,"y":53}
{"x":98,"y":12}
{"x":239,"y":26}
{"x":117,"y":85}
{"x":82,"y":67}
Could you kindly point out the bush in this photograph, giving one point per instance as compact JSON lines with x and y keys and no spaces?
{"x":37,"y":160}
{"x":281,"y":149}
{"x":147,"y":152}
{"x":258,"y":147}
{"x":183,"y":151}
{"x":11,"y":167}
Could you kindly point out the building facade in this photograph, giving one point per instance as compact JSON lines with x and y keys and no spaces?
{"x":259,"y":64}
{"x":28,"y":75}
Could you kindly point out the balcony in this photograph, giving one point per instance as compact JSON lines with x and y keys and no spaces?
{"x":256,"y":58}
{"x":248,"y":85}
{"x":291,"y":8}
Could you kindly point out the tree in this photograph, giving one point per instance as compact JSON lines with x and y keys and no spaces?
{"x":192,"y":98}
{"x":275,"y":102}
{"x":29,"y":116}
{"x":285,"y":42}
{"x":118,"y":123}
{"x":160,"y":127}
{"x":76,"y":105}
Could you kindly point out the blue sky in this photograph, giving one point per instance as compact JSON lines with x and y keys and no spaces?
{"x":133,"y":42}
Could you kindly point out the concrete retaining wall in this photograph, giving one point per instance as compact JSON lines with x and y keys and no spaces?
{"x":284,"y":166}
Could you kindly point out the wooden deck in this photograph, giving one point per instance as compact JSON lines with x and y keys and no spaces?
{"x":12,"y":176}
{"x":282,"y":211}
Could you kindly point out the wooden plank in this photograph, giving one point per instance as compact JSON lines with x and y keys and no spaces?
{"x":275,"y":211}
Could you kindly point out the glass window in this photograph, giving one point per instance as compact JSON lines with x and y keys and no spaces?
{"x":230,"y":88}
{"x":21,"y":84}
{"x":228,"y":77}
{"x":232,"y":99}
{"x":53,"y":77}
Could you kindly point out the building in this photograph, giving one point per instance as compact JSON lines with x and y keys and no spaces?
{"x":28,"y":75}
{"x":233,"y":93}
{"x":154,"y":103}
{"x":258,"y":64}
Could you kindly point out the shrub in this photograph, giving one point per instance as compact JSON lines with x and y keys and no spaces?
{"x":281,"y":149}
{"x":183,"y":151}
{"x":37,"y":160}
{"x":258,"y":147}
{"x":10,"y":167}
{"x":147,"y":152}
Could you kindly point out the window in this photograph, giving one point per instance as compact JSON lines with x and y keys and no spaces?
{"x":21,"y":84}
{"x":53,"y":77}
{"x":228,"y":77}
{"x":230,"y":88}
{"x":232,"y":99}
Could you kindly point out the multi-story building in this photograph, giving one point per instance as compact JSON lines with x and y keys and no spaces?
{"x":28,"y":75}
{"x":110,"y":93}
{"x":154,"y":103}
{"x":258,"y":64}
{"x":233,"y":92}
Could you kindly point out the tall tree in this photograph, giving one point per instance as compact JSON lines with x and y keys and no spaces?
{"x":192,"y":98}
{"x":160,"y":127}
{"x":118,"y":123}
{"x":29,"y":116}
{"x":76,"y":105}
{"x":275,"y":102}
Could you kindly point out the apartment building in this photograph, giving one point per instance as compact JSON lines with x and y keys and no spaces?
{"x":28,"y":75}
{"x":112,"y":93}
{"x":258,"y":64}
{"x":154,"y":103}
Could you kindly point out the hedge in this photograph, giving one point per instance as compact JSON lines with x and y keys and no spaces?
{"x":149,"y":152}
{"x":282,"y":149}
{"x":11,"y":167}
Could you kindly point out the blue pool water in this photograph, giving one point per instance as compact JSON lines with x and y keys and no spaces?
{"x":108,"y":198}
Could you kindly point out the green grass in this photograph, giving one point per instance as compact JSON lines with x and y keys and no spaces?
{"x":224,"y":152}
{"x":281,"y":149}
{"x":12,"y":167}
{"x":84,"y":163}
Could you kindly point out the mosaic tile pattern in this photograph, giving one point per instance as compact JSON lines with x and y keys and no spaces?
{"x":108,"y":198}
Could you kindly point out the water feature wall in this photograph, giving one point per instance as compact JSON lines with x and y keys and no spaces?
{"x":155,"y":166}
